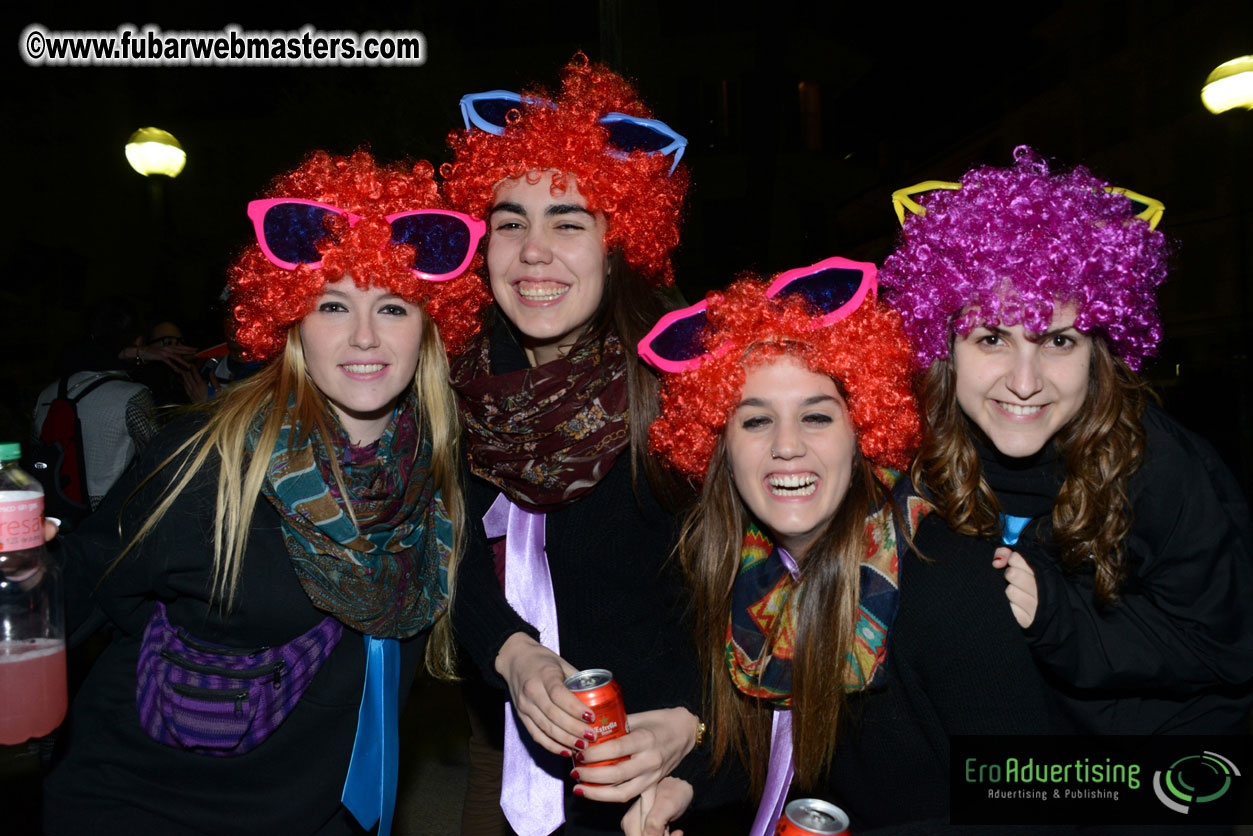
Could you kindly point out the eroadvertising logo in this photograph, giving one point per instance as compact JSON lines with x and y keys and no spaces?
{"x":1099,"y":780}
{"x":1194,"y":779}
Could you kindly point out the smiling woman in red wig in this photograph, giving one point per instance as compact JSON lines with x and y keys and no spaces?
{"x":292,"y":543}
{"x":582,"y":193}
{"x":837,"y":660}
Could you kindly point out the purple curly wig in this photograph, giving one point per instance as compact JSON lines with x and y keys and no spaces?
{"x":1012,"y":242}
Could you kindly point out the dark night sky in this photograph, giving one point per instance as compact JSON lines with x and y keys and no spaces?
{"x":896,"y":94}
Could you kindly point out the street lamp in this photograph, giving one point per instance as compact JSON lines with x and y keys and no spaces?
{"x":1229,"y":86}
{"x":154,"y":151}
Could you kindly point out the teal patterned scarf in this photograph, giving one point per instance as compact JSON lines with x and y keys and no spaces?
{"x":387,"y":574}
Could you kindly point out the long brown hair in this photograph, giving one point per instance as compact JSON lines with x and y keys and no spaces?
{"x":1100,"y":448}
{"x":631,"y":306}
{"x":709,"y":550}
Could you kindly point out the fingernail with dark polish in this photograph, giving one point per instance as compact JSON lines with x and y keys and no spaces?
{"x":578,"y":791}
{"x":574,"y":773}
{"x":589,"y":716}
{"x":579,"y":744}
{"x":578,"y":756}
{"x":590,"y":737}
{"x":565,"y":754}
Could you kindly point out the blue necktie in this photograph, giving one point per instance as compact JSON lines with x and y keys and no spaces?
{"x":1011,"y":528}
{"x":370,"y":788}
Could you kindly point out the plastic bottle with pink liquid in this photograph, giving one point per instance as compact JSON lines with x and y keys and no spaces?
{"x":32,"y":625}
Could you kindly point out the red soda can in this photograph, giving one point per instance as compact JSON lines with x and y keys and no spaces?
{"x":812,"y":817}
{"x":599,"y":692}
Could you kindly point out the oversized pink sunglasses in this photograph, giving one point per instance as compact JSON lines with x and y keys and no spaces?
{"x":289,"y":230}
{"x":833,"y":288}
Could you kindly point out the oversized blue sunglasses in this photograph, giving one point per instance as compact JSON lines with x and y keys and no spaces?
{"x":489,"y":112}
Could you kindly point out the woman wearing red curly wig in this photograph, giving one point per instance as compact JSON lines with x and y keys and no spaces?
{"x":582,"y":197}
{"x":290,"y":543}
{"x":830,"y":662}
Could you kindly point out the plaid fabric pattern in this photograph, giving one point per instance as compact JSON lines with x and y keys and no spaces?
{"x":217,"y":700}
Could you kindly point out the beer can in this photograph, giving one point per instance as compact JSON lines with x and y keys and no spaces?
{"x":597,"y":690}
{"x":812,"y":817}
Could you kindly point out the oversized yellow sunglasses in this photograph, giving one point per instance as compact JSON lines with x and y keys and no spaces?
{"x":1150,"y":209}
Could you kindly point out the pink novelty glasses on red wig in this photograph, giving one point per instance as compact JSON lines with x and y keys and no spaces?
{"x":289,"y":230}
{"x":833,"y":288}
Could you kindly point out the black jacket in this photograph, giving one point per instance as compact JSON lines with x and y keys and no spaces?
{"x":111,"y":777}
{"x":618,"y":595}
{"x":956,"y":664}
{"x":1174,"y":654}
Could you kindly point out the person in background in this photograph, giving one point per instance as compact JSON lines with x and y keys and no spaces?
{"x":165,"y":333}
{"x":116,"y":413}
{"x":168,"y":382}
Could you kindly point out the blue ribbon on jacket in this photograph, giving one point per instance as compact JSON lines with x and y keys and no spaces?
{"x":370,"y":787}
{"x":1011,"y":528}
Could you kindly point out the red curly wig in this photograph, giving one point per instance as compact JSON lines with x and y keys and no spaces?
{"x":866,"y":352}
{"x":267,"y":300}
{"x":642,"y":200}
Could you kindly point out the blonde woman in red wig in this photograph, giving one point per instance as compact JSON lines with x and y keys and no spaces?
{"x":273,"y":567}
{"x":582,"y":193}
{"x":836,"y":662}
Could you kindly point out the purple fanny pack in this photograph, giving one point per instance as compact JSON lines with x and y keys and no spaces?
{"x":217,"y":700}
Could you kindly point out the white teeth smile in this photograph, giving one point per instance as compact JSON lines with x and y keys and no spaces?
{"x":363,"y":368}
{"x":1019,"y":409}
{"x":544,"y":294}
{"x":792,"y":484}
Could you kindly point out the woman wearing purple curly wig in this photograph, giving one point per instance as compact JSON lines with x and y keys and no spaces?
{"x":1030,"y":300}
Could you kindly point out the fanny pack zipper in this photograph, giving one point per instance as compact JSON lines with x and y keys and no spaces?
{"x":275,"y":668}
{"x":213,"y":695}
{"x":206,"y":647}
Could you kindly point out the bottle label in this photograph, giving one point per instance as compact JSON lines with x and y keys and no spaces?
{"x":21,"y":520}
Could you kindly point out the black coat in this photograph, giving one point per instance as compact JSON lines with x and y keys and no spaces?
{"x":618,"y":594}
{"x":956,"y":664}
{"x":111,"y":777}
{"x":1174,"y":654}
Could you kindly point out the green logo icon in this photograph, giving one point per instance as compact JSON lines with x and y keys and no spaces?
{"x":1194,"y":779}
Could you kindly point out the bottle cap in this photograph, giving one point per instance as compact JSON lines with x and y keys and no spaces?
{"x":10,"y":451}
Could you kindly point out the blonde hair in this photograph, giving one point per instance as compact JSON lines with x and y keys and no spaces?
{"x":241,"y":471}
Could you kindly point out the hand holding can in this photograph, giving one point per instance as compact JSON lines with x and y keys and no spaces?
{"x":598,"y":690}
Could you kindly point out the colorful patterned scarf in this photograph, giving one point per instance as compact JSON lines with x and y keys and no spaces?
{"x":762,"y":634}
{"x":545,"y":435}
{"x":387,"y":574}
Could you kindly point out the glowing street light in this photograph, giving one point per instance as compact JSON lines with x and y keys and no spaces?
{"x":154,"y":151}
{"x":1229,"y":86}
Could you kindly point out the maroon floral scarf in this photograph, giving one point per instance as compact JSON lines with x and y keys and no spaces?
{"x":545,"y":435}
